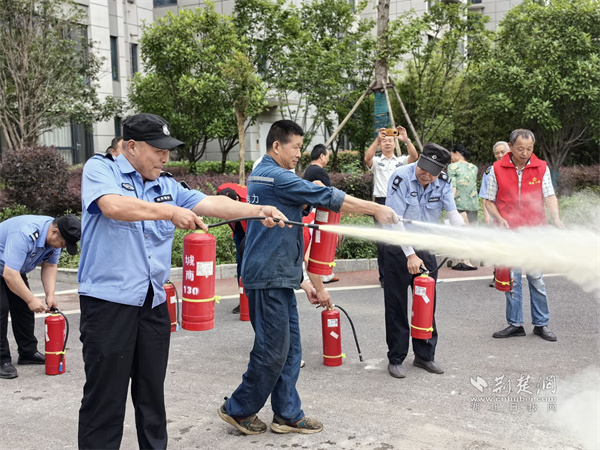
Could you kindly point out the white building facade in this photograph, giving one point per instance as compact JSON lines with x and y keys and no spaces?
{"x":116,"y":26}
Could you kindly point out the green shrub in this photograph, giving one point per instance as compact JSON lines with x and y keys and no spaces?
{"x":18,"y":210}
{"x":356,"y":248}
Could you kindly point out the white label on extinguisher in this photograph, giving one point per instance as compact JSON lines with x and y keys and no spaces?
{"x":420,"y":291}
{"x":173,"y":299}
{"x":322,"y":216}
{"x":241,"y":290}
{"x":425,"y":298}
{"x":47,"y":338}
{"x":334,"y":335}
{"x":204,"y":269}
{"x":317,"y":236}
{"x":332,"y":323}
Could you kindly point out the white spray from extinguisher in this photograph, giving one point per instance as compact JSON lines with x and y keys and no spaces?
{"x":572,"y":252}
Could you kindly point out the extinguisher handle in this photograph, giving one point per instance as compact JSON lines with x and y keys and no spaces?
{"x":423,"y":269}
{"x":54,"y":309}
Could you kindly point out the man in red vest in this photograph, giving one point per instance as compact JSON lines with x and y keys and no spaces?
{"x":518,"y":187}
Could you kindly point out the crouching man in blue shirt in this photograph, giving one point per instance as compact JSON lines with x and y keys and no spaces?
{"x":271,"y":270}
{"x":130,"y":211}
{"x":25,"y":242}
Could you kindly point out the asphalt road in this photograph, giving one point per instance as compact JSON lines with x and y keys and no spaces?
{"x":547,"y":393}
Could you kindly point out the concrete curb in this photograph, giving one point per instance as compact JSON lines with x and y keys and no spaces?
{"x":225,"y":271}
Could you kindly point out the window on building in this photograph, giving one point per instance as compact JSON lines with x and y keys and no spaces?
{"x":114,"y":57}
{"x":158,"y":3}
{"x":134,"y":59}
{"x":118,"y":126}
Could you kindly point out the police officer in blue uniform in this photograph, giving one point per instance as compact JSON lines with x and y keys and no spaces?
{"x":415,"y":192}
{"x":26,"y":242}
{"x":130,"y":211}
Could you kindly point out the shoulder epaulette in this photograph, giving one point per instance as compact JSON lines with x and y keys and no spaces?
{"x":105,"y":155}
{"x":444,"y":177}
{"x":35,"y":235}
{"x":185,"y":185}
{"x":396,"y":182}
{"x":488,"y":170}
{"x":166,"y":174}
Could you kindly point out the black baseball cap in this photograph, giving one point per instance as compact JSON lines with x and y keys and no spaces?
{"x":70,"y":229}
{"x":150,"y":128}
{"x":433,"y":159}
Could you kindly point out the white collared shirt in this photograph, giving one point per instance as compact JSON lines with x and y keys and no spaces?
{"x":383,"y":168}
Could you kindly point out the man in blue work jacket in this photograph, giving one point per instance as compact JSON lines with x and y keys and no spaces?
{"x":130,"y":211}
{"x":415,"y":192}
{"x":271,"y":270}
{"x":26,"y":242}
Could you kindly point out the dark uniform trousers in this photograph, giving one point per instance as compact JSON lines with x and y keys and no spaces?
{"x":123,"y":342}
{"x":380,"y":246}
{"x":395,"y":291}
{"x":22,"y":319}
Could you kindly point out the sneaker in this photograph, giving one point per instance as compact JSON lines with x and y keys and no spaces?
{"x":8,"y":371}
{"x":304,"y":426}
{"x":247,"y":425}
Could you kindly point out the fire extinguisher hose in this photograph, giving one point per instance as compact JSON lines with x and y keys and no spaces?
{"x":62,"y":354}
{"x":242,"y":219}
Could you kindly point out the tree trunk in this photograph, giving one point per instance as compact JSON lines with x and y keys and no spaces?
{"x":241,"y":121}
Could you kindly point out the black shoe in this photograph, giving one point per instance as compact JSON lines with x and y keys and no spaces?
{"x":429,"y":366}
{"x":493,"y":283}
{"x":36,"y":358}
{"x":459,"y":266}
{"x":544,"y":333}
{"x":468,"y":267}
{"x":236,"y":310}
{"x":8,"y":371}
{"x":509,"y":331}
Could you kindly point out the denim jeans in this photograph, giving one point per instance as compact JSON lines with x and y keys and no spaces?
{"x":275,"y":358}
{"x":540,"y":315}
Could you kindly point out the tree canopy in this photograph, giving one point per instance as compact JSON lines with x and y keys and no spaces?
{"x":183,"y":82}
{"x":48,"y":70}
{"x":543,"y":73}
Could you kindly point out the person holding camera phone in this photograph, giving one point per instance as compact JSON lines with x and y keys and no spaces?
{"x":383,"y":166}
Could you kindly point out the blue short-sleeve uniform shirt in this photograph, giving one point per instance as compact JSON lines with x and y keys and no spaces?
{"x":119,"y":259}
{"x":409,"y":199}
{"x":23,"y":243}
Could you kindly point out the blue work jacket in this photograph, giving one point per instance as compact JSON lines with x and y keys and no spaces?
{"x":273,"y":256}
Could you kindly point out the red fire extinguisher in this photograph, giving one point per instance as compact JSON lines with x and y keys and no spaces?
{"x":57,"y":333}
{"x":503,"y":279}
{"x":332,"y":336}
{"x":421,"y":324}
{"x":199,"y":264}
{"x":244,"y":307}
{"x":322,"y":249}
{"x":173,"y":303}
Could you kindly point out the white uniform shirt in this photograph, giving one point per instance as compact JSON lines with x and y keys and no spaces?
{"x":383,"y":168}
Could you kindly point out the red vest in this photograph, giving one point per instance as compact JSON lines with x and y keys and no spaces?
{"x":528,"y":210}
